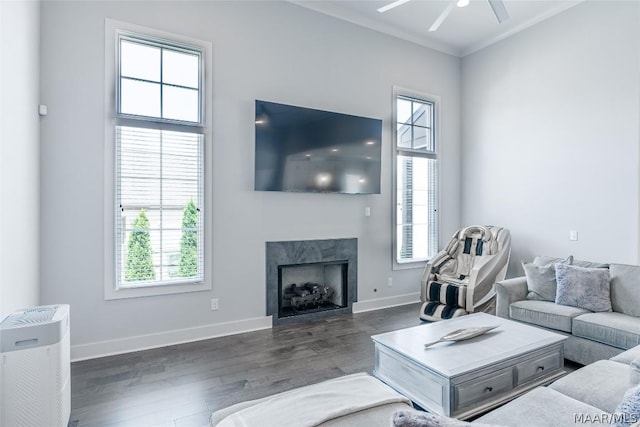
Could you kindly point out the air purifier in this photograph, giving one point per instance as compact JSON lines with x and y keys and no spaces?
{"x":35,"y":387}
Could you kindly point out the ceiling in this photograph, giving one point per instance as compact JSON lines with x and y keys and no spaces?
{"x":464,"y":31}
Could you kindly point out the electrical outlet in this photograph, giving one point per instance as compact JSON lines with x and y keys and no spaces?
{"x":390,"y":282}
{"x":214,"y":304}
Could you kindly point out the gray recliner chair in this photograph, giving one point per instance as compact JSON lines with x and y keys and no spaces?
{"x":459,"y":279}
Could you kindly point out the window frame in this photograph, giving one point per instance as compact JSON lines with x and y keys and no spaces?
{"x":435,"y":155}
{"x":114,"y":30}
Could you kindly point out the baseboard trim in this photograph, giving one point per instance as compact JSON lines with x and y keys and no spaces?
{"x":163,"y":339}
{"x":98,"y":349}
{"x":388,"y":302}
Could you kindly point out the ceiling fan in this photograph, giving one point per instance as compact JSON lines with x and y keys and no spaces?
{"x":497,"y":6}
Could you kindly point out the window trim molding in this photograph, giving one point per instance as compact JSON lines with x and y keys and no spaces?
{"x":437,"y":105}
{"x":111,"y":119}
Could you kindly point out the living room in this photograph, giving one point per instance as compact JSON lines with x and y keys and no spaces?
{"x":539,"y":134}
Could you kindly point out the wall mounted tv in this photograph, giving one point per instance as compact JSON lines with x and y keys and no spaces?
{"x":306,"y":150}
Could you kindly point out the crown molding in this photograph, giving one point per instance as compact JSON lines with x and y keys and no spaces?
{"x":344,"y":14}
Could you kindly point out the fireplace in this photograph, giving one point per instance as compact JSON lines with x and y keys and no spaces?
{"x":310,"y":279}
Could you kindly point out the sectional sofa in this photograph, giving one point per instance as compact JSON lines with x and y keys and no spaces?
{"x":591,"y":336}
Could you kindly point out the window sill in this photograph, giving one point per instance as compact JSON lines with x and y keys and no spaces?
{"x":147,"y":291}
{"x":409,"y":265}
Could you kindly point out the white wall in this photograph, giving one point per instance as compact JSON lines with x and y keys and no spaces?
{"x":550,"y":124}
{"x":262,"y":50}
{"x":19,"y":155}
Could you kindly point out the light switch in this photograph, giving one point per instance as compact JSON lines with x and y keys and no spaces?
{"x":367,"y":211}
{"x":573,"y":235}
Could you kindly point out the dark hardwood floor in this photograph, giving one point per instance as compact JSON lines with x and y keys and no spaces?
{"x":182,"y":384}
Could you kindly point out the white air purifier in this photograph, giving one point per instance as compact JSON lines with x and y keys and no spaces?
{"x":35,"y":387}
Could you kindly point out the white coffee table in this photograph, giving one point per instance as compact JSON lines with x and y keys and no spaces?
{"x":465,"y":378}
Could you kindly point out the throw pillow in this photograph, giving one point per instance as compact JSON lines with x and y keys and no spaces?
{"x":628,"y":412}
{"x":413,"y":418}
{"x":541,"y":279}
{"x":582,"y":287}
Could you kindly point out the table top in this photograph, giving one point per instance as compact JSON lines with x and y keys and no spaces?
{"x":451,"y":358}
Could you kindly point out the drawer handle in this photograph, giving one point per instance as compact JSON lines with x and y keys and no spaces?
{"x":540,"y":368}
{"x":488,"y":389}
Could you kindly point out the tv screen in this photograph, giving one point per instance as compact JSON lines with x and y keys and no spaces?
{"x":306,"y":150}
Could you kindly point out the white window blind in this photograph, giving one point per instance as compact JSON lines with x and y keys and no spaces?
{"x":416,"y":225}
{"x":159,"y":195}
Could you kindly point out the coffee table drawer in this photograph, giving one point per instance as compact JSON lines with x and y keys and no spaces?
{"x":483,"y":388}
{"x":532,"y":369}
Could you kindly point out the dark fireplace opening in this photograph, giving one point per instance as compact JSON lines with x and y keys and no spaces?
{"x":312,"y":287}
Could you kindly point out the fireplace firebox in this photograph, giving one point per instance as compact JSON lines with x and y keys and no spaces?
{"x":312,"y":287}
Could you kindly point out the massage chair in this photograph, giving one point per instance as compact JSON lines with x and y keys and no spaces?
{"x":459,"y":279}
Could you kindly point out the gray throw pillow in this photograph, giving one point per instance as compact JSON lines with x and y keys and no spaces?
{"x":586,"y":288}
{"x":413,"y":418}
{"x":541,"y":279}
{"x":628,"y":412}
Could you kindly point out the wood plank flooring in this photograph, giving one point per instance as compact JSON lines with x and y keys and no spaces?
{"x":181,"y":385}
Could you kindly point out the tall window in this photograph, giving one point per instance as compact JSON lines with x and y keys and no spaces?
{"x":416,"y":179}
{"x":159,"y":163}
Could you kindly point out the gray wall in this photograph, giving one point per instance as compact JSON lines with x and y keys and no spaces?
{"x":550,"y":124}
{"x":264,"y":50}
{"x":19,"y":155}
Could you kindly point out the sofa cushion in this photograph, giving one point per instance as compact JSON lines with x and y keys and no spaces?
{"x":583,"y":287}
{"x":601,"y":384}
{"x":543,"y":406}
{"x":628,"y":356}
{"x":614,"y":329}
{"x":625,"y":289}
{"x":332,"y":399}
{"x":545,"y":313}
{"x":541,"y":279}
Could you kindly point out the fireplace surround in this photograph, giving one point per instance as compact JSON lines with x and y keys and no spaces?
{"x":329,"y":262}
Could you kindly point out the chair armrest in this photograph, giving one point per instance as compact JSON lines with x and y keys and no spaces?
{"x":426,"y":276}
{"x":486,"y":271}
{"x":507,"y":292}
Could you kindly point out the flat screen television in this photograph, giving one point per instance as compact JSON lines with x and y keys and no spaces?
{"x":305,"y":150}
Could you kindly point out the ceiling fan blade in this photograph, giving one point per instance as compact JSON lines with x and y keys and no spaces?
{"x":392,"y":5}
{"x":499,"y":10}
{"x":440,"y":19}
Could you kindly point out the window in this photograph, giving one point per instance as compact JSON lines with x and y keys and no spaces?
{"x":416,"y":178}
{"x":158,"y":81}
{"x":157,"y":127}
